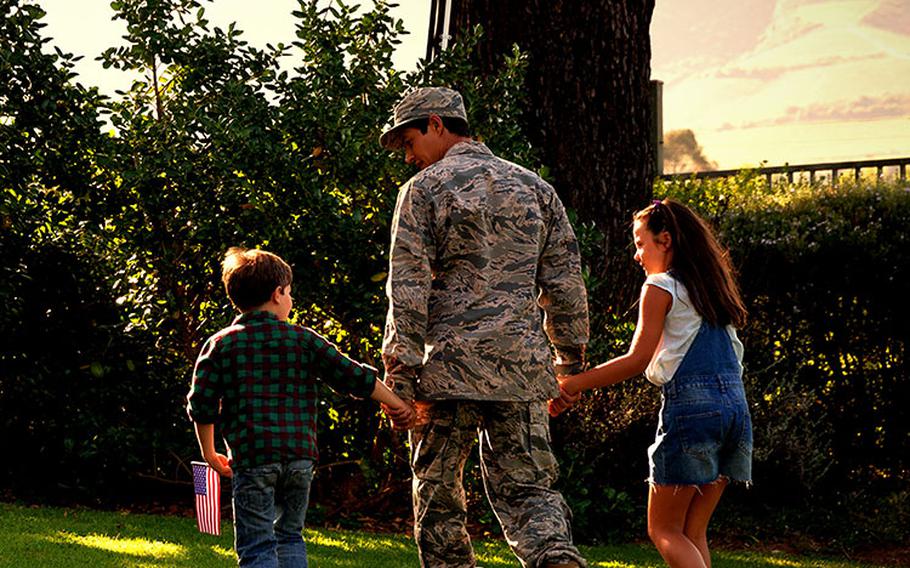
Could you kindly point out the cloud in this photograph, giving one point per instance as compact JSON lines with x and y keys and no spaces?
{"x":786,"y":29}
{"x":890,"y":16}
{"x":772,"y":73}
{"x":701,"y":35}
{"x":862,"y":109}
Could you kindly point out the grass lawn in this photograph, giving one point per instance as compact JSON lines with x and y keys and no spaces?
{"x":52,"y":537}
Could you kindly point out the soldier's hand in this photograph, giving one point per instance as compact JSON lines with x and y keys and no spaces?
{"x":422,"y":408}
{"x":555,"y":407}
{"x":565,"y":401}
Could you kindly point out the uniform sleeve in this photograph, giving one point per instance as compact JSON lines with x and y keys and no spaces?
{"x":343,"y":374}
{"x":562,"y":289}
{"x":408,"y":288}
{"x":204,"y":398}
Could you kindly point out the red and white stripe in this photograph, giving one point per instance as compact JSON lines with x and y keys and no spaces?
{"x":208,"y":506}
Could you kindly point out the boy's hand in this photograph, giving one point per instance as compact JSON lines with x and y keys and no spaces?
{"x":220,"y":463}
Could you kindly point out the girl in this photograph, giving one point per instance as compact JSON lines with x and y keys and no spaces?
{"x":686,"y":343}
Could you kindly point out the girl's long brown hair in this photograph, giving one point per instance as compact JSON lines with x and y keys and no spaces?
{"x":699,"y":261}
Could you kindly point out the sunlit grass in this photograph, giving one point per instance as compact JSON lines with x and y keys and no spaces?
{"x":224,"y":552}
{"x":129,"y":546}
{"x":52,"y":537}
{"x":316,"y":539}
{"x":783,"y":562}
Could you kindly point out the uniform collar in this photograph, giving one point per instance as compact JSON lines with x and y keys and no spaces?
{"x":468,"y":147}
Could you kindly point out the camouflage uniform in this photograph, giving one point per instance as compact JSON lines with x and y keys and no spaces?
{"x":484,"y":274}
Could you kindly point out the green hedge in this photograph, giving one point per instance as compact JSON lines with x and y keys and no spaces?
{"x":111,"y":245}
{"x":115,"y":214}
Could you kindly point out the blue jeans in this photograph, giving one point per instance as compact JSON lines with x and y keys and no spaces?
{"x":270,"y":503}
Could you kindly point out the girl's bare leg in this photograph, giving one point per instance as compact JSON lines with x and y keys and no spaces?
{"x":699,"y":514}
{"x":668,"y":507}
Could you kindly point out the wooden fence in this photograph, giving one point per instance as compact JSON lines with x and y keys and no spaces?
{"x":833,"y":169}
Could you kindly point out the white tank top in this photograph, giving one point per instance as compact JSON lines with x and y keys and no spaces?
{"x":680,"y":328}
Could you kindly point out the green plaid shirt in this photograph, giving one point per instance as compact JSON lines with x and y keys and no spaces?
{"x":257,"y":379}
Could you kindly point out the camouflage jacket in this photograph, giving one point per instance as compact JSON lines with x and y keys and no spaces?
{"x":484,"y":267}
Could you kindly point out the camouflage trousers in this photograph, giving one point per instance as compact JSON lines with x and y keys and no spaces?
{"x":518,"y":470}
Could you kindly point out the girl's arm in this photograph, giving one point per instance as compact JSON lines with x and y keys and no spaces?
{"x":655,"y":303}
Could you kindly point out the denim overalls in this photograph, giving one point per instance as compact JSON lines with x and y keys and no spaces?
{"x":705,"y":430}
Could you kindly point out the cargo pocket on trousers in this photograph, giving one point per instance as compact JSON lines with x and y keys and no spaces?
{"x":541,"y":451}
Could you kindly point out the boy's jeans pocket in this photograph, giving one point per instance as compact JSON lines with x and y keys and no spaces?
{"x":270,"y":505}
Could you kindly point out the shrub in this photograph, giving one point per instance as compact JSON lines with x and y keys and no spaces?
{"x":822,"y":271}
{"x":114,"y":241}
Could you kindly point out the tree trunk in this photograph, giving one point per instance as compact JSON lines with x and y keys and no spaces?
{"x":590,"y":113}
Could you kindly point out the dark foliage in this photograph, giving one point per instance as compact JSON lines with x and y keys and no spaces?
{"x":823,"y":271}
{"x":111,"y":245}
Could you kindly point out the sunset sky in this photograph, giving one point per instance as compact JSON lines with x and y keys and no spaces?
{"x":787,"y":81}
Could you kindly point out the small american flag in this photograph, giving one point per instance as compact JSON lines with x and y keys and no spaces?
{"x":207,"y":484}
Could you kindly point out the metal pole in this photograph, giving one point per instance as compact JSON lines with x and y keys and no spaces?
{"x":657,"y":124}
{"x":446,"y":32}
{"x":431,"y":36}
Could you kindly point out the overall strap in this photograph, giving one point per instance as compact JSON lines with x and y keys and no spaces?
{"x":711,"y":353}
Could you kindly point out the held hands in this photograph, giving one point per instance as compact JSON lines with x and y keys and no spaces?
{"x":403,"y":417}
{"x":559,"y":405}
{"x":411,"y":415}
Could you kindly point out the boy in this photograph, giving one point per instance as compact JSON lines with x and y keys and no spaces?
{"x":257,"y":378}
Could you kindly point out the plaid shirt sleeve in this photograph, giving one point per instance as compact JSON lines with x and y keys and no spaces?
{"x":341,"y":373}
{"x":204,"y":398}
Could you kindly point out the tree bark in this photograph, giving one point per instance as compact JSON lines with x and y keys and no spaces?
{"x":590,"y":113}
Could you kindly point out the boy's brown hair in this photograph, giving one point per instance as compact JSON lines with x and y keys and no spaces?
{"x":251,"y":275}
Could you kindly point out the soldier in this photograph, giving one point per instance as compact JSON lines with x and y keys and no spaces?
{"x":483,"y":268}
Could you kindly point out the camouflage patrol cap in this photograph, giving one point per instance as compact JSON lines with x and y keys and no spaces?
{"x":421,"y":103}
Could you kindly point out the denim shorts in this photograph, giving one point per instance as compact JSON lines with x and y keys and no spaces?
{"x":270,"y":503}
{"x":705,"y":430}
